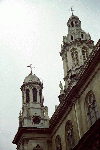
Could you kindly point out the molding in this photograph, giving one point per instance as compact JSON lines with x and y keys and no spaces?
{"x":22,"y":130}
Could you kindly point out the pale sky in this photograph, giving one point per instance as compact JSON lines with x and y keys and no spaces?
{"x":31,"y":32}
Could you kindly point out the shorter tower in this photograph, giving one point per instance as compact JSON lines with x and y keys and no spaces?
{"x":34,"y":113}
{"x":33,"y":132}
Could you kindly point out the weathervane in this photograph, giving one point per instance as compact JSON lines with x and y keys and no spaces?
{"x":72,"y":9}
{"x":31,"y":67}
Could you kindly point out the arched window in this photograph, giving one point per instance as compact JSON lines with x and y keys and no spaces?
{"x":75,"y":59}
{"x":85,"y":53}
{"x":72,"y":24}
{"x":34,"y":95}
{"x":40,"y":93}
{"x":27,"y":96}
{"x":91,"y":108}
{"x":58,"y":143}
{"x":69,"y":135}
{"x":82,"y":35}
{"x":71,"y":37}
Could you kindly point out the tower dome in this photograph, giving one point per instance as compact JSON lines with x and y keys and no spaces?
{"x":31,"y":78}
{"x":75,"y":31}
{"x":74,"y":17}
{"x":74,"y":22}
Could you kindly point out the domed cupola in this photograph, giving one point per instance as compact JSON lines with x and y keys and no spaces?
{"x":73,"y":23}
{"x":32,"y":78}
{"x":34,"y":113}
{"x":32,"y":89}
{"x":75,"y":31}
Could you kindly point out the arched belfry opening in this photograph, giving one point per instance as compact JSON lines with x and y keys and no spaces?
{"x":34,"y":95}
{"x":27,"y":96}
{"x":72,"y":38}
{"x":72,"y":24}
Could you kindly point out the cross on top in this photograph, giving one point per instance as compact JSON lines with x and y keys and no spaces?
{"x":30,"y":67}
{"x":72,"y":9}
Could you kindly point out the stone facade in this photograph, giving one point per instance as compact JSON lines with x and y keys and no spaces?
{"x":75,"y":123}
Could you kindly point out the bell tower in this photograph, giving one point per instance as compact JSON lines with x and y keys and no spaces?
{"x":75,"y":50}
{"x":34,"y":113}
{"x":33,"y":131}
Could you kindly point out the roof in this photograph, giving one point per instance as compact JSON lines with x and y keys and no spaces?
{"x":31,"y":78}
{"x":73,"y":17}
{"x":90,"y":137}
{"x":84,"y":74}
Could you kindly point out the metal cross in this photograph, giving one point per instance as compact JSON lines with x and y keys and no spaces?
{"x":72,"y":9}
{"x":31,"y":67}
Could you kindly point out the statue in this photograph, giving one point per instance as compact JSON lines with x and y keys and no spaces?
{"x":61,"y":86}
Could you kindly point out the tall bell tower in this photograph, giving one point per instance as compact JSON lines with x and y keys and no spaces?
{"x":75,"y":50}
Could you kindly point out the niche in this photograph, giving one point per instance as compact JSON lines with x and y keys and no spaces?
{"x":82,"y":35}
{"x":71,"y":37}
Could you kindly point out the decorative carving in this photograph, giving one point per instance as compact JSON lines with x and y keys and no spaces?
{"x":25,"y":141}
{"x":64,"y":39}
{"x":37,"y":147}
{"x":74,"y":55}
{"x":69,"y":135}
{"x":61,"y":86}
{"x":49,"y":141}
{"x":36,"y":119}
{"x":58,"y":143}
{"x":96,"y":143}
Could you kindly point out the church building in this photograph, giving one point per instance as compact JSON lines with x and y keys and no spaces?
{"x":75,"y":124}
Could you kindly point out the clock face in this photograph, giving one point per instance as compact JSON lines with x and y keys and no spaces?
{"x":36,"y":120}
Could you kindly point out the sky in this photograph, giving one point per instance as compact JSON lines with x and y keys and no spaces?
{"x":31,"y":32}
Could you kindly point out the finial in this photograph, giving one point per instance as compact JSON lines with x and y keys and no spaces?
{"x":20,"y":113}
{"x":31,"y":68}
{"x":72,"y":10}
{"x":61,"y":86}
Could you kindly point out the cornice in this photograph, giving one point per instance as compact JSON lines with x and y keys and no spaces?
{"x":31,"y":84}
{"x":22,"y":130}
